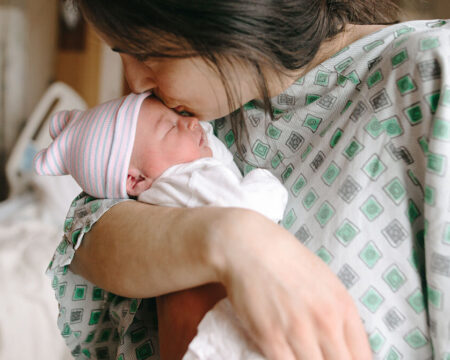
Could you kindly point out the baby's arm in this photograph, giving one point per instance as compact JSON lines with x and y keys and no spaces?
{"x":259,"y":190}
{"x":208,"y":182}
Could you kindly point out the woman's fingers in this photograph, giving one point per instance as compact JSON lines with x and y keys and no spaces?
{"x":356,"y":338}
{"x":299,"y":333}
{"x":335,"y":347}
{"x":303,"y":342}
{"x":277,"y":348}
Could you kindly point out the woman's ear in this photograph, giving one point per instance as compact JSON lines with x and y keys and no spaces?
{"x":137,"y":182}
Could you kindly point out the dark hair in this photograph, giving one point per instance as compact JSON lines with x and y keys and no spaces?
{"x":279,"y":34}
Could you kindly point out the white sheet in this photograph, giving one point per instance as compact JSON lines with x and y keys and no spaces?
{"x":30,"y":230}
{"x":28,"y":313}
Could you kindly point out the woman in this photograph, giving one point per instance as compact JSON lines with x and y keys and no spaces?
{"x":330,"y":101}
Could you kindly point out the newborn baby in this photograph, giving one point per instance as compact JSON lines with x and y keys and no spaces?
{"x":137,"y":147}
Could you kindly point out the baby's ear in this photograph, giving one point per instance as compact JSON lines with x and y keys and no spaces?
{"x":137,"y":182}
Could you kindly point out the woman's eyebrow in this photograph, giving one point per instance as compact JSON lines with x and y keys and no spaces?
{"x":137,"y":57}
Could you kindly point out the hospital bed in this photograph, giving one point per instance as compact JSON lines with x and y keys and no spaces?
{"x":30,"y":229}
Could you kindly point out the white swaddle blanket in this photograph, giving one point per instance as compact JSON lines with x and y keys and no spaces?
{"x":217,"y":182}
{"x":221,"y":336}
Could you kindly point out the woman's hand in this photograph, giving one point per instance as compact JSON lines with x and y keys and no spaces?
{"x":293,"y":306}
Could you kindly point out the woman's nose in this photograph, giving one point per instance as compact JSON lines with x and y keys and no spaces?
{"x":139,"y":77}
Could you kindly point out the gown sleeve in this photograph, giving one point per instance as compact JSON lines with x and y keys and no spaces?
{"x":95,"y":323}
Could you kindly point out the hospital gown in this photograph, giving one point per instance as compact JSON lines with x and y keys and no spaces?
{"x":361,"y":144}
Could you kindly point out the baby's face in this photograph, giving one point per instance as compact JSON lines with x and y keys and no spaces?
{"x":164,"y":138}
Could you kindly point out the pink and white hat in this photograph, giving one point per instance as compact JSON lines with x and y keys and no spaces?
{"x":94,"y":146}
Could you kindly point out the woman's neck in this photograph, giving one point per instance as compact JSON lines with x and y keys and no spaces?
{"x":281,"y":81}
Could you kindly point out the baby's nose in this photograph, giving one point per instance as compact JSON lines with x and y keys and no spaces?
{"x":192,"y":123}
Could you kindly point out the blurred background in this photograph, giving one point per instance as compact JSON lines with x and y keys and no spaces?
{"x":43,"y":42}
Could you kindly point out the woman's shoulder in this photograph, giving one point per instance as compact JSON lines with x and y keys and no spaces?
{"x":392,"y":45}
{"x":419,"y":38}
{"x":414,"y":61}
{"x":408,"y":81}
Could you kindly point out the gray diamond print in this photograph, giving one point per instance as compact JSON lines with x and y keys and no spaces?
{"x":393,"y":319}
{"x":303,"y":234}
{"x":295,"y":141}
{"x":395,"y":233}
{"x":358,"y":112}
{"x":285,"y":99}
{"x":318,"y":160}
{"x":380,"y":101}
{"x":429,"y":70}
{"x":255,"y":120}
{"x":327,"y":101}
{"x":348,"y":276}
{"x":440,"y":264}
{"x":349,"y":189}
{"x":76,"y":315}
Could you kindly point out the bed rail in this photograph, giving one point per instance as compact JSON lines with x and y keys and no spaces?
{"x":35,"y":135}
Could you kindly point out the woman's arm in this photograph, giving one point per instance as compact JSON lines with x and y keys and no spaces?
{"x":140,"y":250}
{"x":292,"y":305}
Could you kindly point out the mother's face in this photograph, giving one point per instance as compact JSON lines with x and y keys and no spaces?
{"x":187,"y":84}
{"x":182,"y":84}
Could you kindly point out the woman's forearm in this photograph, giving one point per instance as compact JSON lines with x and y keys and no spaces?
{"x":278,"y":288}
{"x":140,"y":250}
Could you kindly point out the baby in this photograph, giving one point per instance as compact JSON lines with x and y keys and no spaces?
{"x":137,"y":147}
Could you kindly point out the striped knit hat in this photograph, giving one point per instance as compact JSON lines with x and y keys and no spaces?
{"x":94,"y":146}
